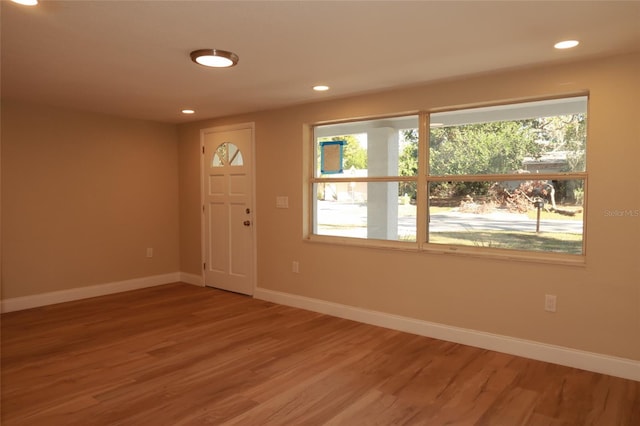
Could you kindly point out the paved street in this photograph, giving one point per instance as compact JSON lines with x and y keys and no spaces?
{"x":456,"y":221}
{"x":351,"y":220}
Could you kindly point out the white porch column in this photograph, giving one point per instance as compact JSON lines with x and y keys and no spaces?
{"x":382,"y":198}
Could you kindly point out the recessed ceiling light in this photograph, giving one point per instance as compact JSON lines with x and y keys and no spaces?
{"x":566,"y":44}
{"x":26,"y":2}
{"x":321,"y":88}
{"x":188,"y":111}
{"x":214,"y":58}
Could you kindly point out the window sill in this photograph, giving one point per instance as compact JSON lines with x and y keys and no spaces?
{"x":508,"y":255}
{"x":366,"y":243}
{"x":452,"y":250}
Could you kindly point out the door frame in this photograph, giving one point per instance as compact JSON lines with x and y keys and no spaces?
{"x":254,"y":222}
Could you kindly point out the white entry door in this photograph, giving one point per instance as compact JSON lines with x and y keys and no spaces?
{"x":227,"y":207}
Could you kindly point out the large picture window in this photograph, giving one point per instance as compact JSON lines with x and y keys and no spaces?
{"x":500,"y":178}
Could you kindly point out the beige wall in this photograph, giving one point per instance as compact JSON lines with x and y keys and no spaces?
{"x":598,"y":304}
{"x":83,"y":196}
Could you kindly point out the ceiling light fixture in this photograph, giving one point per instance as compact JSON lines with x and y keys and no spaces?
{"x":566,"y":44}
{"x":321,"y":88}
{"x":26,"y":2}
{"x":188,"y":111}
{"x":214,"y":58}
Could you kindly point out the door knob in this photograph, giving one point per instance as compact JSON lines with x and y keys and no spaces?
{"x":246,"y":223}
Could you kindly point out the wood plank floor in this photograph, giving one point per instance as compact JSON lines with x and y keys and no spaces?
{"x":185,"y":355}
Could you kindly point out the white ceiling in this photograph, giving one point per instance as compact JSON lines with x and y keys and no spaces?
{"x":131,"y":58}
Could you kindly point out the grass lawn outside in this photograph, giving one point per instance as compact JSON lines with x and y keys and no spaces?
{"x":546,"y":242}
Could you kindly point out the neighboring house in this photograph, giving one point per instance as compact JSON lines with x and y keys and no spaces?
{"x":355,"y":192}
{"x":554,"y":162}
{"x":550,"y":162}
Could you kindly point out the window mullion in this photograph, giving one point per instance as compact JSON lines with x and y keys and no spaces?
{"x":367,"y":179}
{"x":508,"y":177}
{"x":422,"y":216}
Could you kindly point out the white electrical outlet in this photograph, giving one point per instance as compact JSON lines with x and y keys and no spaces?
{"x":550,"y":302}
{"x":282,"y":202}
{"x":295,"y":267}
{"x":149,"y":252}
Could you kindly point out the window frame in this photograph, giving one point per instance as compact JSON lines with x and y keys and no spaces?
{"x":313,"y":179}
{"x":423,"y":179}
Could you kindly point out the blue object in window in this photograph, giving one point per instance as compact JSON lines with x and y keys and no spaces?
{"x":331,"y":156}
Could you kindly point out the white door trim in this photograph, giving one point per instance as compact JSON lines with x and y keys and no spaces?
{"x":254,"y":221}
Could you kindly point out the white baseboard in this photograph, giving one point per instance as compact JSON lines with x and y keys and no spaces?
{"x":599,"y":363}
{"x":192,"y":279}
{"x":43,"y":299}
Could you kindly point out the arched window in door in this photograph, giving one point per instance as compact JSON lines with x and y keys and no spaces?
{"x":227,"y":154}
